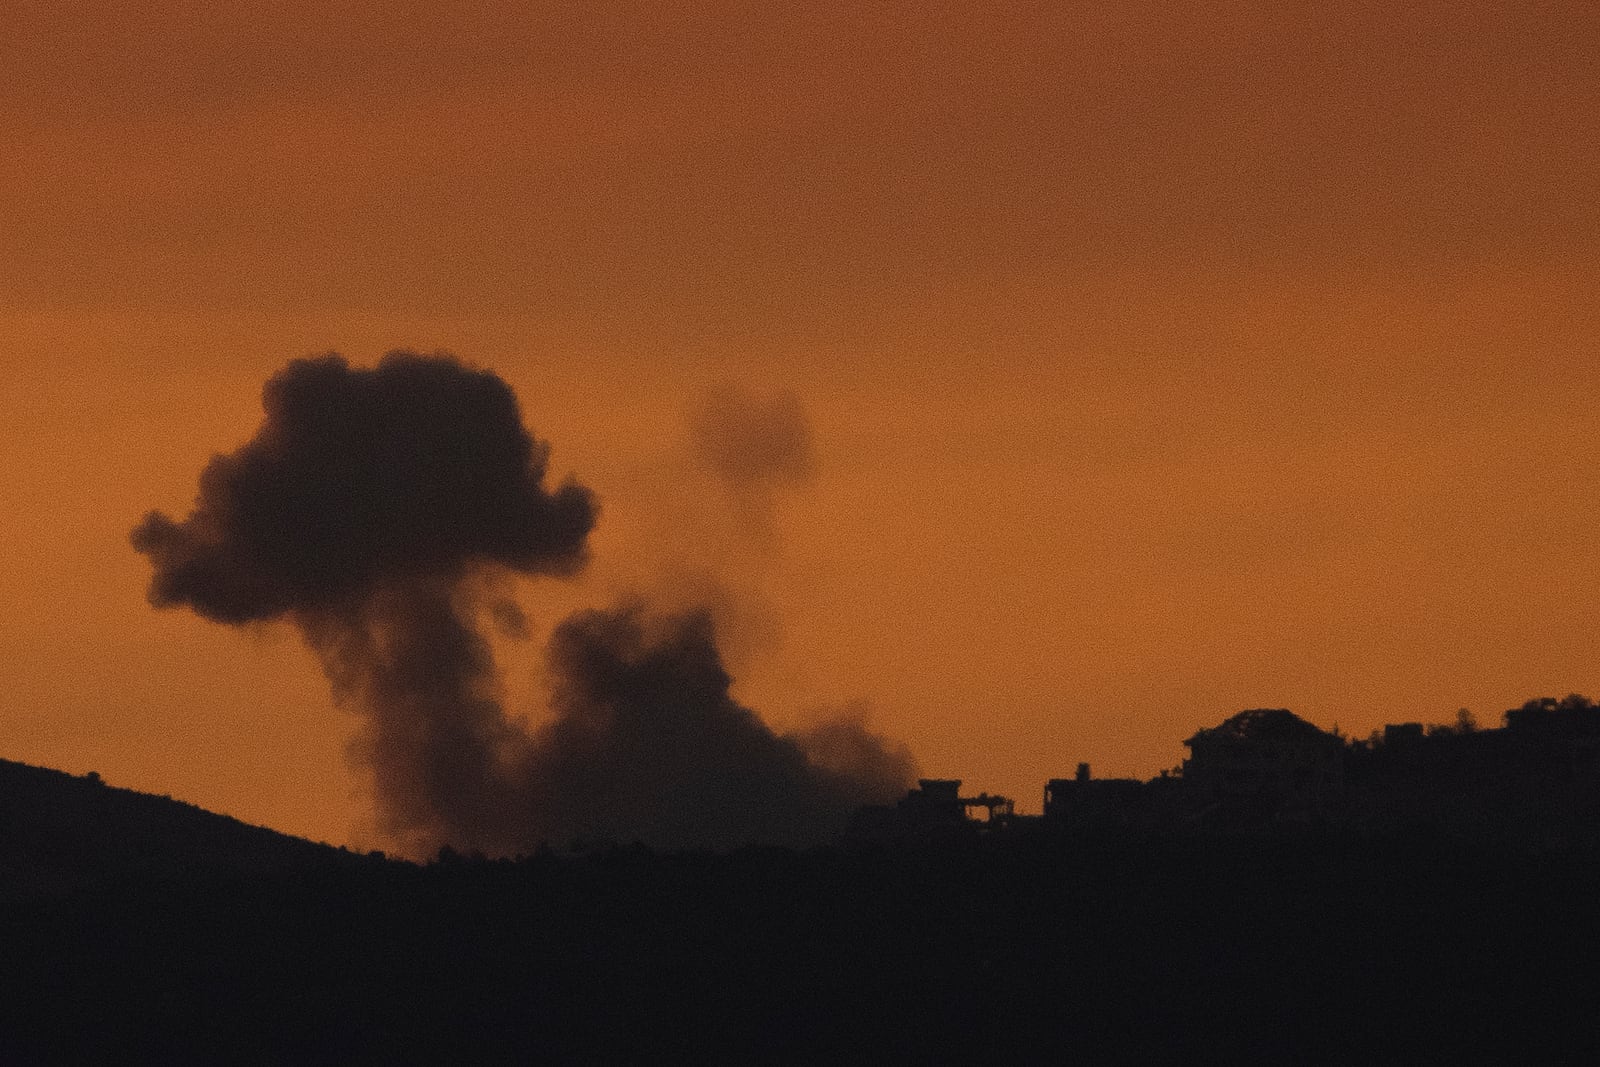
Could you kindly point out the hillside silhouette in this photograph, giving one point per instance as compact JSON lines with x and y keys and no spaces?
{"x":140,"y":929}
{"x":61,"y":833}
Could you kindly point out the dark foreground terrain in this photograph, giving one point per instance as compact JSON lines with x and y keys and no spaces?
{"x":1103,"y":948}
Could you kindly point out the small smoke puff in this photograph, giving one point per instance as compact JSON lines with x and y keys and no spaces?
{"x":420,"y":466}
{"x":510,"y":621}
{"x":753,"y":442}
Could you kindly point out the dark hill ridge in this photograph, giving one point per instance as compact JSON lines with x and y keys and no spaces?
{"x":137,"y":929}
{"x":61,"y":833}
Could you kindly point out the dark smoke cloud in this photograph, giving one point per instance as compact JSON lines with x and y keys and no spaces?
{"x":648,"y":742}
{"x":362,"y":510}
{"x":378,"y":510}
{"x":360,"y":478}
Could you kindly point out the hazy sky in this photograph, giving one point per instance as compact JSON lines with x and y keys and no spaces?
{"x":1159,"y":359}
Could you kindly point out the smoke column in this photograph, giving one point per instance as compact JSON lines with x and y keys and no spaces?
{"x":373,"y":509}
{"x":360,"y":511}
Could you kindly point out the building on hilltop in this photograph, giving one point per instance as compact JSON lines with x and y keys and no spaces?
{"x":935,"y":802}
{"x":1536,"y":779}
{"x":1267,"y":759}
{"x":1572,"y":719}
{"x":1087,"y":801}
{"x":935,"y":808}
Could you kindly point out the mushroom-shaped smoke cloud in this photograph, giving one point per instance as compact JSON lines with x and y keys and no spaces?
{"x":367,"y":510}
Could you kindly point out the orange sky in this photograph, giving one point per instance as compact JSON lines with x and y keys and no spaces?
{"x":1163,"y":359}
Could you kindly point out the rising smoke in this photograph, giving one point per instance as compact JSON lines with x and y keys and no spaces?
{"x":647,"y":742}
{"x":376,"y":510}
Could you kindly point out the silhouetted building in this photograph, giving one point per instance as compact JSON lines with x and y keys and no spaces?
{"x":1085,"y":800}
{"x":1536,"y":779}
{"x":1572,"y":718}
{"x":934,"y":808}
{"x":935,"y":802}
{"x":1268,"y":757}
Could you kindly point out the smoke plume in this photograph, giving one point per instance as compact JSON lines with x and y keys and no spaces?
{"x":378,"y":510}
{"x":647,"y":742}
